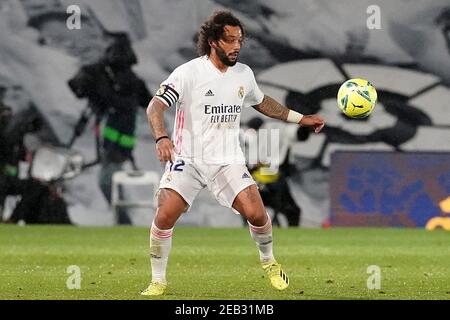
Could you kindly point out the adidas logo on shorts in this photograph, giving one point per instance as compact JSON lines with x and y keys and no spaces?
{"x":245,"y":175}
{"x":209,"y":93}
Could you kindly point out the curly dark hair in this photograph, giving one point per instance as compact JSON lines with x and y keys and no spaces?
{"x":213,"y":28}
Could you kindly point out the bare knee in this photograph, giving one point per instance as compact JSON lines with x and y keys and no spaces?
{"x":249,"y":204}
{"x":257,"y":218}
{"x":165,"y":220}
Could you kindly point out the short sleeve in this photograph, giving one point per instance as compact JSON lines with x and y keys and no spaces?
{"x":254,"y":95}
{"x":171,"y":90}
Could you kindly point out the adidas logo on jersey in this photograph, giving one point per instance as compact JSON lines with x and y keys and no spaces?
{"x":209,"y":94}
{"x":245,"y":175}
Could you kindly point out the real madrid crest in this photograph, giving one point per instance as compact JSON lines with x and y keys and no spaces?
{"x":161,"y":90}
{"x":241,"y":92}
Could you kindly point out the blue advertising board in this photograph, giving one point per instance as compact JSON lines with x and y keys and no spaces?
{"x":397,"y":189}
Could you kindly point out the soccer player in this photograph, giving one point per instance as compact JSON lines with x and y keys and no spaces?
{"x":209,"y":93}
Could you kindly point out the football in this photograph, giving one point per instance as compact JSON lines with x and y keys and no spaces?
{"x":357,"y":98}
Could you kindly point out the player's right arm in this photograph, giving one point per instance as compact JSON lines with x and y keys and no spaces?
{"x":169,"y":93}
{"x":155,"y":116}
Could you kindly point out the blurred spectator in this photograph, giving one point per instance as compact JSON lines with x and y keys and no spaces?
{"x":114,"y":93}
{"x":273,"y":185}
{"x":26,"y":113}
{"x":39,"y":203}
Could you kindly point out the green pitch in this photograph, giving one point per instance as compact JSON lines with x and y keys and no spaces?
{"x":223,"y":263}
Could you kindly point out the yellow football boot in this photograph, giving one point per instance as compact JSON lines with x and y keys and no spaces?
{"x":155,"y":289}
{"x":277,"y":277}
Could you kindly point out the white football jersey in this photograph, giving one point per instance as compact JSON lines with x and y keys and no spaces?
{"x":208,"y":109}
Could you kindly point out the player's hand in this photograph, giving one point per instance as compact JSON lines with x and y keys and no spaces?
{"x":164,"y":150}
{"x":313,"y":121}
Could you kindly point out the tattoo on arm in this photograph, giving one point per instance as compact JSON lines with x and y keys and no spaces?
{"x":155,"y":117}
{"x":271,"y":108}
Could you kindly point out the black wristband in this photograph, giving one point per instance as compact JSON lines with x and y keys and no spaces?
{"x":160,"y":138}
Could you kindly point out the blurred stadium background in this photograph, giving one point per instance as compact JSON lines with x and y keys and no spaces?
{"x":391,"y":169}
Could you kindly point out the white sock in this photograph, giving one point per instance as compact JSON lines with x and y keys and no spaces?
{"x":263,"y":238}
{"x":160,"y":245}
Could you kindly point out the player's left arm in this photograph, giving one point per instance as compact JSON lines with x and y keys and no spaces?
{"x":271,"y":108}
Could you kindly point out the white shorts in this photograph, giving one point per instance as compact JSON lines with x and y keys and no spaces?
{"x":224,"y":181}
